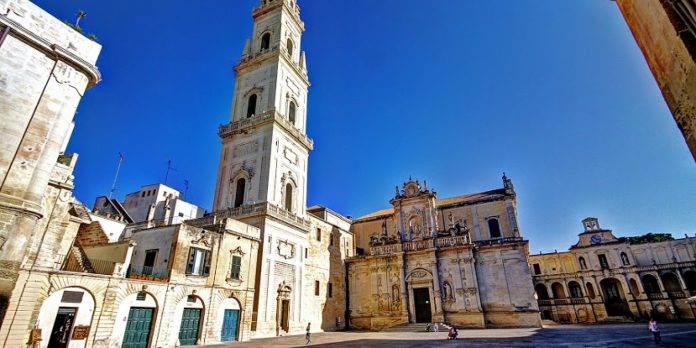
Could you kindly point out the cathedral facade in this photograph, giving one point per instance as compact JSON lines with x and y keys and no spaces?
{"x":458,"y":260}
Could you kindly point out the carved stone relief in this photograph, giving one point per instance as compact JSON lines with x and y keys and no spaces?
{"x":286,"y":249}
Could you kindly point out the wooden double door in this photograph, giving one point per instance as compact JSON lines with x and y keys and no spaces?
{"x":190,"y":326}
{"x":138,"y":328}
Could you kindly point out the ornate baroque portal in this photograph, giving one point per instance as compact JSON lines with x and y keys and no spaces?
{"x":421,"y":294}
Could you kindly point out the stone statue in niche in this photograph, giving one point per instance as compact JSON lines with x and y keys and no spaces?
{"x":447,"y":291}
{"x":415,"y":226}
{"x":395,"y":293}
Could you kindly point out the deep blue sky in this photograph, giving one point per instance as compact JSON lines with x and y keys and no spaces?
{"x":555,"y":93}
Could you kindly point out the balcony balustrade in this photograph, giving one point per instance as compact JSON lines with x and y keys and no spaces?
{"x":655,"y":295}
{"x":147,"y":273}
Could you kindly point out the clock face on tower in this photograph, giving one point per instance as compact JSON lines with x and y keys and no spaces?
{"x":596,"y":239}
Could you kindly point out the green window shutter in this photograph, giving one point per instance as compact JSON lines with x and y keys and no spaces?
{"x":206,"y":267}
{"x":191,"y":261}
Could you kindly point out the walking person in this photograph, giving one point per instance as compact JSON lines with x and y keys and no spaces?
{"x":652,"y":326}
{"x":308,"y":333}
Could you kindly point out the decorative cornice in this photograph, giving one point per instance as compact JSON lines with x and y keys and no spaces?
{"x":52,"y":49}
{"x":269,"y":117}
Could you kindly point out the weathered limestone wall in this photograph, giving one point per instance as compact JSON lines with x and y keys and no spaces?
{"x":505,"y":287}
{"x":666,"y":45}
{"x":45,"y":68}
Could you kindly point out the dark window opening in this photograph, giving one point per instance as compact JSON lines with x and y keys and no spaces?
{"x":494,"y":228}
{"x":235,"y":273}
{"x":251,"y":106}
{"x":290,"y":47}
{"x":292,"y":112}
{"x":317,"y":285}
{"x":266,"y":41}
{"x":239,"y":193}
{"x":603,"y":261}
{"x":537,"y":268}
{"x":288,"y":197}
{"x":330,"y":290}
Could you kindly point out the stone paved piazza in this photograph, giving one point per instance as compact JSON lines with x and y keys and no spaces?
{"x":618,"y":335}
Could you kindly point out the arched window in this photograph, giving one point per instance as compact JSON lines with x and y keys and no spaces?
{"x":690,"y":280}
{"x":650,"y":284}
{"x":557,"y":290}
{"x":575,"y":290}
{"x":290,"y":47}
{"x":265,"y":41}
{"x":288,"y":197}
{"x":494,"y":228}
{"x":634,"y":287}
{"x":541,"y":292}
{"x":590,"y":290}
{"x":239,"y":193}
{"x":581,"y":260}
{"x":670,"y":282}
{"x":624,"y":259}
{"x":291,"y":112}
{"x":251,"y":105}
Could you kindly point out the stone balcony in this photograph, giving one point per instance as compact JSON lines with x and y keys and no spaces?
{"x":267,"y":117}
{"x":435,"y":243}
{"x":259,"y":209}
{"x":275,"y":51}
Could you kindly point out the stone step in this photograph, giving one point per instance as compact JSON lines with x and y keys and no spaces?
{"x":419,"y":327}
{"x":547,"y":322}
{"x":616,"y":319}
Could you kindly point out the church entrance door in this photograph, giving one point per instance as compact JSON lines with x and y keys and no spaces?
{"x":421,"y":300}
{"x":285,"y":315}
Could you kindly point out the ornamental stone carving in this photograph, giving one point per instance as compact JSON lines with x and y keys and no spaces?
{"x":286,"y":249}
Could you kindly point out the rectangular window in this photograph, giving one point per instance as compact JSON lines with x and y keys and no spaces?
{"x":316,"y":288}
{"x":329,"y":289}
{"x":537,"y":268}
{"x":305,"y":253}
{"x":603,"y":261}
{"x":331,"y":239}
{"x":318,"y":234}
{"x":198,"y":262}
{"x":149,"y":263}
{"x":141,"y":296}
{"x":236,"y":267}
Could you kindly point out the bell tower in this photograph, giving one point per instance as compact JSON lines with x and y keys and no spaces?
{"x":264,"y":146}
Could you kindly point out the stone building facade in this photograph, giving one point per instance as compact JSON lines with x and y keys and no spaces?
{"x":665,"y":31}
{"x":459,"y":260}
{"x":604,"y":278}
{"x":45,"y":68}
